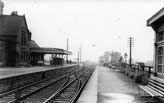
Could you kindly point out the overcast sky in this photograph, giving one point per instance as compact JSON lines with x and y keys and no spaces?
{"x":104,"y":23}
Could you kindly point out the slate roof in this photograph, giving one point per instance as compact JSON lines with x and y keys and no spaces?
{"x":50,"y":51}
{"x":10,"y":24}
{"x":33,"y":44}
{"x":156,"y":16}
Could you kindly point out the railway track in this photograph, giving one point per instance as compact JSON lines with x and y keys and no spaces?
{"x":18,"y":95}
{"x":70,"y":92}
{"x":42,"y":95}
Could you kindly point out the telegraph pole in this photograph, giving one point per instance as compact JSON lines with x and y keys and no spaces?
{"x":111,"y":57}
{"x":78,"y":57}
{"x":80,"y":53}
{"x":130,"y":53}
{"x":67,"y":49}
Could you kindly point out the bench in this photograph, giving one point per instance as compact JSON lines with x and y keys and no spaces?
{"x":154,"y":88}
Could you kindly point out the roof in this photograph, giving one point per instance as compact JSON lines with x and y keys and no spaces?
{"x":11,"y":24}
{"x":33,"y":44}
{"x":50,"y":51}
{"x":155,"y":17}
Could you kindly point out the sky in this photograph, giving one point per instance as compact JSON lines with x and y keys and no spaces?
{"x":106,"y":24}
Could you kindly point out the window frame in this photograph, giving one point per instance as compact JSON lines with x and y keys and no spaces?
{"x":23,"y":37}
{"x":162,"y":59}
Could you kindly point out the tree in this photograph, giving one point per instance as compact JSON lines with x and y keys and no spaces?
{"x":121,"y":60}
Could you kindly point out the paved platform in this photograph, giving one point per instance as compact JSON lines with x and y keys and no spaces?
{"x":111,"y":86}
{"x":89,"y":94}
{"x":9,"y":72}
{"x":115,"y":87}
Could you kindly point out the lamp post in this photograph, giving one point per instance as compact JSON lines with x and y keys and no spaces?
{"x":67,"y":50}
{"x":78,"y":58}
{"x":125,"y":56}
{"x":80,"y":54}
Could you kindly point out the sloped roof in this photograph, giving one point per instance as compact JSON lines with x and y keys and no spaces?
{"x":33,"y":44}
{"x":10,"y":24}
{"x":156,"y":16}
{"x":50,"y":51}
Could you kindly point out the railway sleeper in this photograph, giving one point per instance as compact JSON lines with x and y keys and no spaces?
{"x":9,"y":96}
{"x":69,"y":92}
{"x":62,"y":99}
{"x":6,"y":99}
{"x":28,"y":90}
{"x":2,"y":101}
{"x":70,"y":89}
{"x":66,"y":95}
{"x":59,"y":102}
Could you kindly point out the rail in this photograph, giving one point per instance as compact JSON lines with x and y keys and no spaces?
{"x":51,"y":98}
{"x":18,"y":92}
{"x":80,"y":86}
{"x":76,"y":96}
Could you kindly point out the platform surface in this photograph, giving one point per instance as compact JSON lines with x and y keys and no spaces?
{"x":89,"y":94}
{"x":9,"y":72}
{"x":111,"y":86}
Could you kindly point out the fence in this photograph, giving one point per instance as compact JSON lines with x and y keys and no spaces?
{"x":138,"y":68}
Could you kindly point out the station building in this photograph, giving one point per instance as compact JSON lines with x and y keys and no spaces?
{"x":157,"y":23}
{"x":17,"y":47}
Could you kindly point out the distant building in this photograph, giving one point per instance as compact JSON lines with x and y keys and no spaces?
{"x":157,"y":23}
{"x":115,"y":56}
{"x":16,"y":46}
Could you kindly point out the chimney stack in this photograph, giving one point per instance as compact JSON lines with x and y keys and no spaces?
{"x":14,"y":13}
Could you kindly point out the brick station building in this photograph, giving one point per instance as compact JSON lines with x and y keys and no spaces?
{"x":16,"y":46}
{"x":157,"y":23}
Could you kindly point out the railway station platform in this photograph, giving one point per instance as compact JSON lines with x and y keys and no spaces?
{"x":107,"y":85}
{"x":89,"y":94}
{"x":12,"y":78}
{"x":7,"y":72}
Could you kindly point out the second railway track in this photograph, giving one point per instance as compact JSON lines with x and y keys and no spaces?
{"x":63,"y":89}
{"x":69,"y":93}
{"x":17,"y":95}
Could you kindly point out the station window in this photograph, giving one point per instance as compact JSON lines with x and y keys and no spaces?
{"x":160,"y":60}
{"x":23,"y":37}
{"x":161,"y":36}
{"x":21,"y":56}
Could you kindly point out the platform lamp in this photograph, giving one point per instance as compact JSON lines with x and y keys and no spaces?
{"x":67,"y":50}
{"x":125,"y":56}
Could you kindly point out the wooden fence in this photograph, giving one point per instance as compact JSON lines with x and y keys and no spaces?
{"x":138,"y":68}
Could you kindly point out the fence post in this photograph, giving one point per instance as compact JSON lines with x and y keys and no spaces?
{"x":149,"y":71}
{"x":143,"y":67}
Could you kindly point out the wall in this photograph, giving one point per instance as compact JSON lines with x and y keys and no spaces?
{"x":10,"y":83}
